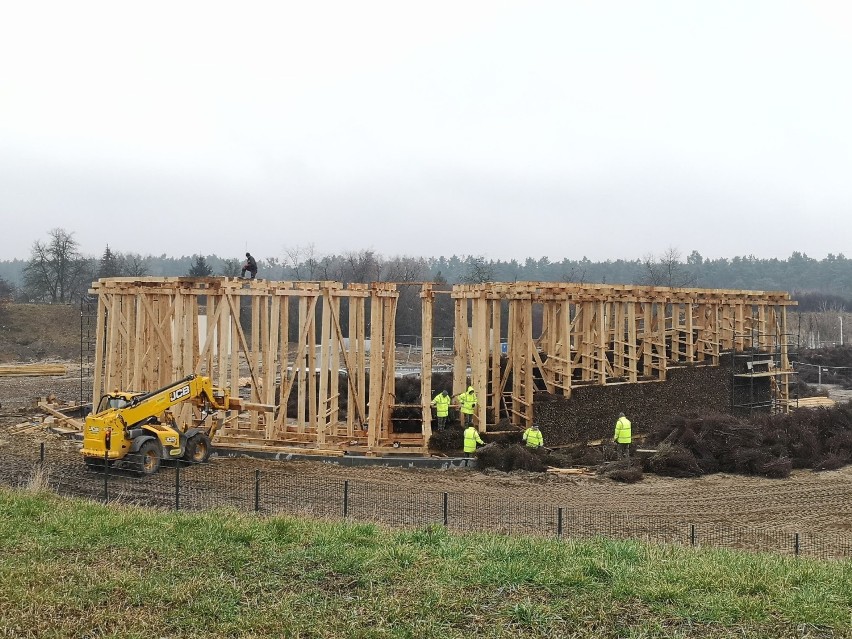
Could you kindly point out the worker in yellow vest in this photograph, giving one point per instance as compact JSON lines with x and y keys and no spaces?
{"x":622,"y":436}
{"x":471,"y":439}
{"x":533,"y":437}
{"x":442,"y":408}
{"x":468,"y":404}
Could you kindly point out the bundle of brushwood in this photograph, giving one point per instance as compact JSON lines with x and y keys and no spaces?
{"x":447,"y":440}
{"x":31,"y":370}
{"x":770,"y":445}
{"x":509,"y":458}
{"x":623,"y":471}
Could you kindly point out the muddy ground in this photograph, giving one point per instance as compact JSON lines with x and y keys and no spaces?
{"x":807,"y":502}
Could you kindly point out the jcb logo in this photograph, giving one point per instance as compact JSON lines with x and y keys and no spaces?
{"x":180,"y":392}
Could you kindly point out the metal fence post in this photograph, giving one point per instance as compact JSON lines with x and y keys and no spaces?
{"x":41,"y":453}
{"x":106,"y":476}
{"x":796,"y":545}
{"x":691,"y":534}
{"x":559,"y":522}
{"x":345,"y":498}
{"x":446,"y":509}
{"x":257,"y":491}
{"x":177,"y":485}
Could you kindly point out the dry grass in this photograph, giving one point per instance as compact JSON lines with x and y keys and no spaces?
{"x":40,"y":331}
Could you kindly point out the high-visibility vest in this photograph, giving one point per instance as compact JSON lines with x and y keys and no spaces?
{"x":622,"y":431}
{"x":533,"y":438}
{"x":468,"y":401}
{"x":442,"y":404}
{"x":471,"y":439}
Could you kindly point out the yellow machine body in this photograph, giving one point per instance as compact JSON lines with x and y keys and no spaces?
{"x":124,"y":421}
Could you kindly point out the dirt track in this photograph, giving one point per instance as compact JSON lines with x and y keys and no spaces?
{"x":805,"y":502}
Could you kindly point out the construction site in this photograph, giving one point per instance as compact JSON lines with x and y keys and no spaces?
{"x":325,"y":375}
{"x":693,"y":368}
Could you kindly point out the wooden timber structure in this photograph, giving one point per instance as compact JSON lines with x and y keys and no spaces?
{"x":304,"y":346}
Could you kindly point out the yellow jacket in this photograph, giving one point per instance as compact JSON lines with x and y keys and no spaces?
{"x":471,"y":439}
{"x":533,"y":438}
{"x":622,"y":431}
{"x":468,"y":401}
{"x":442,"y":404}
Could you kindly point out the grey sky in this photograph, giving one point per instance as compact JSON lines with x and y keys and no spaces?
{"x":508,"y":129}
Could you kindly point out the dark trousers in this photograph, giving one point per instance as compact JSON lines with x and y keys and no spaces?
{"x":623,"y":451}
{"x":468,"y":419}
{"x":243,"y":274}
{"x":442,"y":422}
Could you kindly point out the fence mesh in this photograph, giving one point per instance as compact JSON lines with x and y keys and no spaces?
{"x":197,"y":487}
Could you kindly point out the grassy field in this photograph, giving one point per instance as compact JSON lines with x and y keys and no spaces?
{"x":79,"y":569}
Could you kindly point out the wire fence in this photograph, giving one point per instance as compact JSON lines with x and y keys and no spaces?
{"x":198,"y":487}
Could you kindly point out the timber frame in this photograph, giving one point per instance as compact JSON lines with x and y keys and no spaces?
{"x":300,"y":354}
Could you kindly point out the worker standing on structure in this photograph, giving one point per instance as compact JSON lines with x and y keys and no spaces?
{"x":622,"y":437}
{"x":471,"y":439}
{"x":533,"y":437}
{"x":442,"y":408}
{"x":250,"y":266}
{"x":468,"y":404}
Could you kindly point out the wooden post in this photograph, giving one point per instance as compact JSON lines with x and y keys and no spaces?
{"x":427,"y":302}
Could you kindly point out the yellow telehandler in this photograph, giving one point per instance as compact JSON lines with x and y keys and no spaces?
{"x":139,"y":430}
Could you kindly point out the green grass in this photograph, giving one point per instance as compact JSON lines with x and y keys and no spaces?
{"x":78,"y":569}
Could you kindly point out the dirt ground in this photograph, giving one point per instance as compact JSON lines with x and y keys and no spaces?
{"x":805,"y":502}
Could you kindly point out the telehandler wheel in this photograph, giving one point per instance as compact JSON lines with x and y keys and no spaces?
{"x":147,"y":459}
{"x":197,"y":449}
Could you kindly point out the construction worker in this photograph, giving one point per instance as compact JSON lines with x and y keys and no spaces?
{"x":442,"y":408}
{"x":622,"y":436}
{"x":468,"y":404}
{"x":471,"y":439}
{"x":250,"y":266}
{"x":533,"y":437}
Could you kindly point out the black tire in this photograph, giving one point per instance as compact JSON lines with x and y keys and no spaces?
{"x":146,"y":461}
{"x":197,"y":449}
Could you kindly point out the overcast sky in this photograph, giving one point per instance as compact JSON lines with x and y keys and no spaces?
{"x":610,"y":129}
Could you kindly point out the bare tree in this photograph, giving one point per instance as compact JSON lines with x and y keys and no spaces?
{"x":666,"y":270}
{"x":302,"y":261}
{"x":231,"y":267}
{"x":134,"y":265}
{"x":405,"y":269}
{"x":7,"y":290}
{"x":362,"y":266}
{"x":479,"y":271}
{"x":56,"y":271}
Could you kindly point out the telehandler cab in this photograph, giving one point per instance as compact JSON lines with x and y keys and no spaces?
{"x":139,"y":430}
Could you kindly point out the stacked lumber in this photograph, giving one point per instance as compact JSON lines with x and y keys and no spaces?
{"x":570,"y":471}
{"x":816,"y":402}
{"x":31,"y":370}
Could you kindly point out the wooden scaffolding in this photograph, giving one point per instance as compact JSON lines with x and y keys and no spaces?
{"x":318,"y":359}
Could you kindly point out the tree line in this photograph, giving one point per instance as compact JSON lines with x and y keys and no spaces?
{"x":57,"y":272}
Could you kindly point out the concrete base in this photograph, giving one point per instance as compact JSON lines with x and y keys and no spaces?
{"x":390,"y":461}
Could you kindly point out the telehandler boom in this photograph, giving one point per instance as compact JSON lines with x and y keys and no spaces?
{"x":139,"y":429}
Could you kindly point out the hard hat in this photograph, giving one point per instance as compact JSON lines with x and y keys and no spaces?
{"x":621,"y":414}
